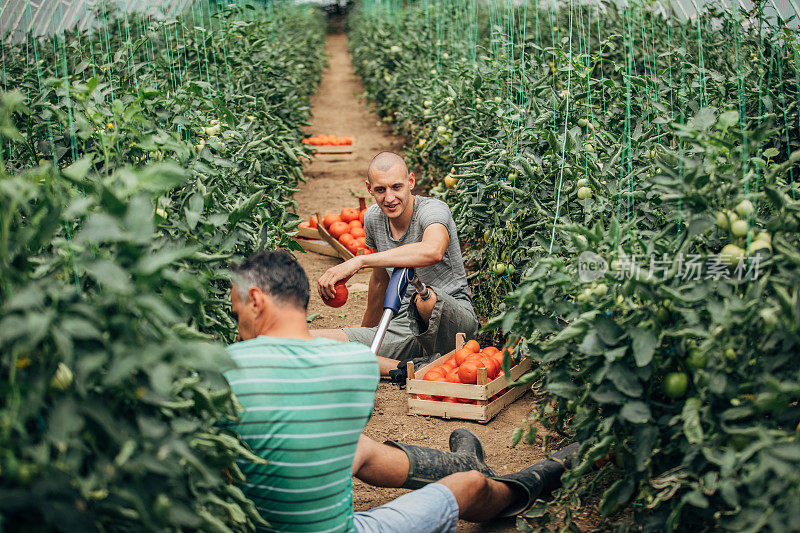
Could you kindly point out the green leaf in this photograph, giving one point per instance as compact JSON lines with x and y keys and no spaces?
{"x":704,"y":119}
{"x":162,"y":177}
{"x":625,"y":380}
{"x":786,"y":451}
{"x":645,"y":438}
{"x":150,"y":264}
{"x":608,"y":331}
{"x":728,"y":119}
{"x":111,"y":276}
{"x":516,"y":437}
{"x":617,"y":495}
{"x":99,"y":228}
{"x":78,"y":170}
{"x":644,"y":345}
{"x":509,"y":319}
{"x":636,"y":412}
{"x":692,"y":426}
{"x":80,"y":328}
{"x":139,"y":219}
{"x":564,"y":389}
{"x":696,"y":498}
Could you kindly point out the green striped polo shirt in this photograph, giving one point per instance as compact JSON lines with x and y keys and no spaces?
{"x":306,"y":402}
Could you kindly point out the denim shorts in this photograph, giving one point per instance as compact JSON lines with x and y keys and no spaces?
{"x":407,"y":337}
{"x":431,"y":509}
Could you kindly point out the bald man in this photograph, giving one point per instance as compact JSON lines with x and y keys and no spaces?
{"x":406,"y":230}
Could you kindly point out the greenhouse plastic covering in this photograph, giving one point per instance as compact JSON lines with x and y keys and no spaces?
{"x":47,"y":17}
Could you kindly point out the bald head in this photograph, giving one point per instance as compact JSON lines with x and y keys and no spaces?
{"x":387,"y":162}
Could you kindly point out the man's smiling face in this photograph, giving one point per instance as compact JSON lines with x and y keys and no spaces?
{"x":391,"y":190}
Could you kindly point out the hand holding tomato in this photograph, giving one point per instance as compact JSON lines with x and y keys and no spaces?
{"x":341,"y":295}
{"x":341,"y":272}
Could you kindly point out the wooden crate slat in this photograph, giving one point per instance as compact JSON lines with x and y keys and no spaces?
{"x":345,"y":149}
{"x":308,"y":233}
{"x":445,"y":409}
{"x":317,"y":246}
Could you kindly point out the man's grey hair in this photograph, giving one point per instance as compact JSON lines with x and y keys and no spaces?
{"x":275,"y":273}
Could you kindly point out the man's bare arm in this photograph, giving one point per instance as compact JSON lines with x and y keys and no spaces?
{"x":377,"y":289}
{"x":429,"y":251}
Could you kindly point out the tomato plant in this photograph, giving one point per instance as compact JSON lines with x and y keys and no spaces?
{"x":133,"y":168}
{"x":651,"y":145}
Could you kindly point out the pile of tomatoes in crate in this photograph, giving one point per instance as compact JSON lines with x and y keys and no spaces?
{"x":328,"y":140}
{"x":462,"y":367}
{"x":347,"y":227}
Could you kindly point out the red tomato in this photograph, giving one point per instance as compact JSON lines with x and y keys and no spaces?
{"x":341,"y":295}
{"x":462,"y":354}
{"x":436,"y":371}
{"x":452,"y":376}
{"x":349,"y":214}
{"x":330,"y":218}
{"x":468,"y":371}
{"x":473,"y":346}
{"x":338,"y":229}
{"x":450,"y":364}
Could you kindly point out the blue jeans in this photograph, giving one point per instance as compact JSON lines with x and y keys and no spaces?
{"x":431,"y":509}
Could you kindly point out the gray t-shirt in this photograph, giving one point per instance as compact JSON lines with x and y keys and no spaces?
{"x":448,"y":274}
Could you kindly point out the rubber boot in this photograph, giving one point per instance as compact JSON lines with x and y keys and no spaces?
{"x":428,"y":465}
{"x":538,"y":480}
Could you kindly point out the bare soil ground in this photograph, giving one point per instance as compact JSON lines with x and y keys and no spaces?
{"x":339,"y":109}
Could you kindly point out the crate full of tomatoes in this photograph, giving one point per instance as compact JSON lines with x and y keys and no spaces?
{"x":466,"y":383}
{"x":345,"y":231}
{"x":328,"y":140}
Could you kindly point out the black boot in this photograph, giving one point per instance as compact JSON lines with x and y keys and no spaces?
{"x":538,"y":480}
{"x":428,"y":465}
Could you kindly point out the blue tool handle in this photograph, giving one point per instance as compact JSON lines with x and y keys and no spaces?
{"x":397,"y":288}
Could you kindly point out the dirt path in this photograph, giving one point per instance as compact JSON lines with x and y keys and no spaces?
{"x":338,"y":109}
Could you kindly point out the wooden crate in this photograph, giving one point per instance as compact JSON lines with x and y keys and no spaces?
{"x":336,"y":153}
{"x":343,"y":252}
{"x":483,"y":411}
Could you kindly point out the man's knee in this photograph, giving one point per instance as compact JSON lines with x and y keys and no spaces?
{"x":470,"y":488}
{"x":425,"y":307}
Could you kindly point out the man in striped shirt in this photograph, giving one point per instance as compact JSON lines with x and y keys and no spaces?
{"x":306,"y":403}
